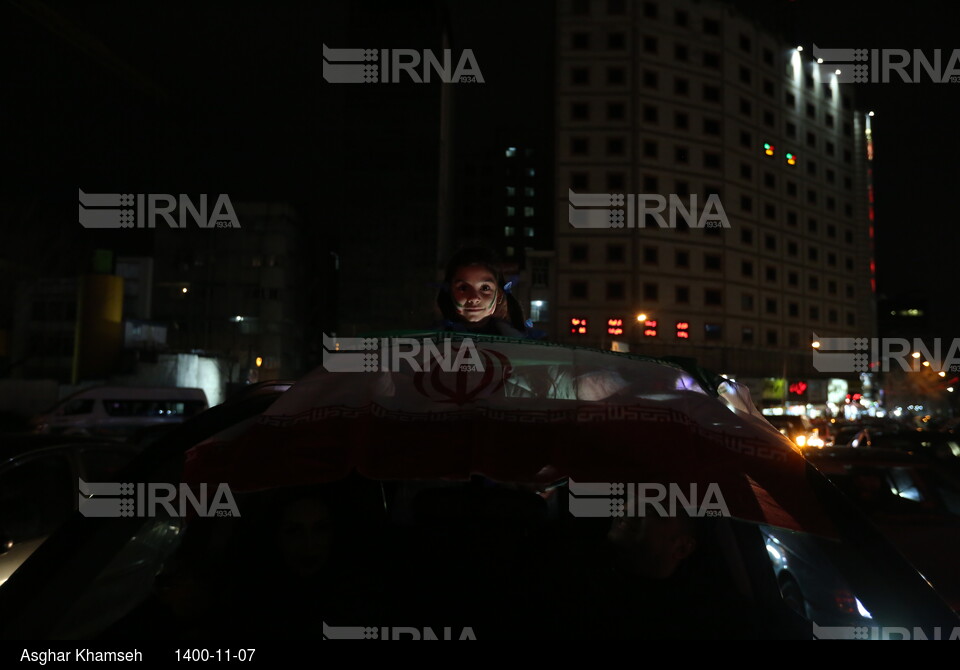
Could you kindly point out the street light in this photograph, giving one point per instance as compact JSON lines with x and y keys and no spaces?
{"x":641,"y":317}
{"x":816,"y":344}
{"x":916,"y":354}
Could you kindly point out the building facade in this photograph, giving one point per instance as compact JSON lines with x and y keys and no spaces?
{"x":236,"y":293}
{"x":684,"y":100}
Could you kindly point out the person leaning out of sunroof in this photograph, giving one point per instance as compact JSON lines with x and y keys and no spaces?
{"x":475,"y":298}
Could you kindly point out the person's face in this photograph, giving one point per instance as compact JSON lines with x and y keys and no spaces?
{"x":475,"y":293}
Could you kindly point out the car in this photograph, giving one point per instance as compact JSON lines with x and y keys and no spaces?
{"x":119,"y":411}
{"x":846,"y":433}
{"x":939,"y":448}
{"x":524,"y":492}
{"x":38,"y":481}
{"x":911,"y":503}
{"x":798,"y":429}
{"x":809,"y":581}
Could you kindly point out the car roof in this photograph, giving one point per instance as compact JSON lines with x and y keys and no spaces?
{"x":10,"y":452}
{"x":915,"y":436}
{"x":865,"y":456}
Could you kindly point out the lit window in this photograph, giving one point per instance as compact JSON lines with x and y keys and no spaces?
{"x":528,"y":232}
{"x":509,"y":231}
{"x":511,"y":152}
{"x":528,"y":211}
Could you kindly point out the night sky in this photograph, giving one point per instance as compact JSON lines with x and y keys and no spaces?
{"x":916,"y":162}
{"x":217,"y":97}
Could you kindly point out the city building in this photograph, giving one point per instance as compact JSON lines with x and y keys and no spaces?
{"x":236,"y":293}
{"x":675,"y":102}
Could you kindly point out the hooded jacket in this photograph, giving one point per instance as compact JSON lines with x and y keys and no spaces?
{"x":515,"y":326}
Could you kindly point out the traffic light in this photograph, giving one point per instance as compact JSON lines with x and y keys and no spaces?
{"x":791,"y":158}
{"x":768,"y":148}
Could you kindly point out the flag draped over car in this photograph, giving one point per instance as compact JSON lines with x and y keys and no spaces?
{"x":520,"y":412}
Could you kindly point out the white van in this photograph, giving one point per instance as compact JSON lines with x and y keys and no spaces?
{"x":119,"y":411}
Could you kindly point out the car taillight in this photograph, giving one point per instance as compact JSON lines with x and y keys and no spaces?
{"x":845,"y":601}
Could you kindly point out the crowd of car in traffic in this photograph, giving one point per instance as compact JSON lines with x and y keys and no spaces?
{"x":894,"y":496}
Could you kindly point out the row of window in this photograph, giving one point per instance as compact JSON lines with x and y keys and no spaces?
{"x":681,"y":19}
{"x":681,"y":331}
{"x":616,"y":290}
{"x":511,"y":231}
{"x":616,"y":183}
{"x":712,"y":297}
{"x":510,"y":210}
{"x":681,"y":121}
{"x":617,"y":41}
{"x":617,"y":76}
{"x":269,"y":261}
{"x":617,"y":147}
{"x":616,"y":111}
{"x":616,"y":253}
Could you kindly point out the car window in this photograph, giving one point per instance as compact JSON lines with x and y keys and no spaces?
{"x":100,"y":464}
{"x":37,"y":493}
{"x":77,"y":406}
{"x":152,"y":408}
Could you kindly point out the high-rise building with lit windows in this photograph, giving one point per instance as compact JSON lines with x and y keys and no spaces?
{"x":689,"y":99}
